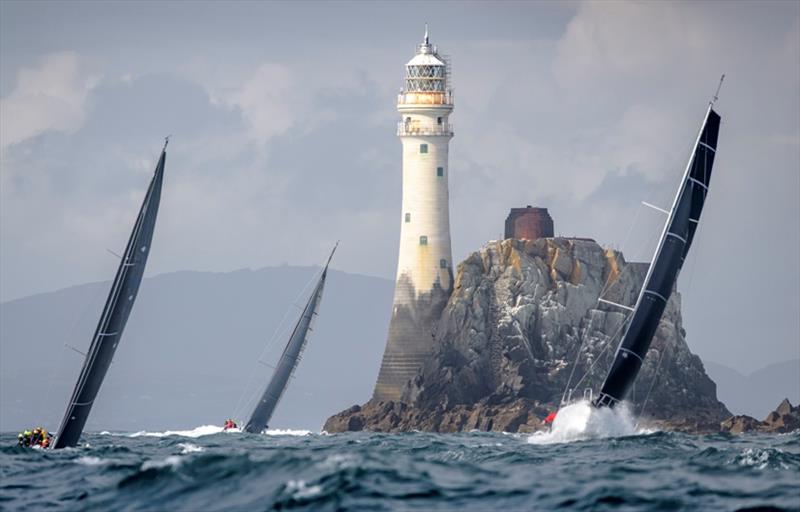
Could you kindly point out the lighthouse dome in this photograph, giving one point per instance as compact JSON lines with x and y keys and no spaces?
{"x":426,"y":72}
{"x":426,"y":59}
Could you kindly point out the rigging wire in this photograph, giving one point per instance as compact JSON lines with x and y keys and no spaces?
{"x":652,"y":384}
{"x":250,"y":393}
{"x":58,"y":367}
{"x":605,"y":349}
{"x":606,"y":286}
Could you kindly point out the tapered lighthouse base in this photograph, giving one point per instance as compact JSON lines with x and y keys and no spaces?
{"x":411,"y":333}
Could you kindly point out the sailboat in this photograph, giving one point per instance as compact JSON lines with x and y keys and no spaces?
{"x":673,"y":246}
{"x":289,"y":360}
{"x":115,"y":314}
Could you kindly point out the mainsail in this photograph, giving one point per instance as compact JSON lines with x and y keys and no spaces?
{"x":289,"y":359}
{"x":668,"y":259}
{"x":115,"y":314}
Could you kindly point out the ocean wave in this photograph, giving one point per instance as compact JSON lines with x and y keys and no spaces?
{"x":425,"y":471}
{"x":767,"y":458}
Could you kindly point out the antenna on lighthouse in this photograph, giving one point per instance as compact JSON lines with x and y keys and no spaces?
{"x":426,"y":33}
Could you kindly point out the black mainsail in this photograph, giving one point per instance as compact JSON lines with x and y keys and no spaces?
{"x":668,"y":259}
{"x":115,"y":314}
{"x":289,"y":359}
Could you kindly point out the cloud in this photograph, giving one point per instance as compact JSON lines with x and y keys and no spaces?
{"x":51,"y":96}
{"x":267,"y":101}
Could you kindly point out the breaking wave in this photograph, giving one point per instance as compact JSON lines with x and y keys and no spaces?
{"x":204,"y":430}
{"x":287,"y":432}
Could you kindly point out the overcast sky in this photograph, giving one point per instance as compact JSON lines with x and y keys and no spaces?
{"x":283,"y":120}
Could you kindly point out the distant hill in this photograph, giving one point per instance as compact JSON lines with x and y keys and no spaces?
{"x":193,"y":340}
{"x":191,"y":347}
{"x":756,"y":394}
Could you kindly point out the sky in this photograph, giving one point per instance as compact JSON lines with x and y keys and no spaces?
{"x":282,"y":118}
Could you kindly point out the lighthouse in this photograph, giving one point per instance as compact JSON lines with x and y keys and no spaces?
{"x":425,"y":263}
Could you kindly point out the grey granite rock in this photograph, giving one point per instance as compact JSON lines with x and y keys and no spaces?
{"x":522,"y":318}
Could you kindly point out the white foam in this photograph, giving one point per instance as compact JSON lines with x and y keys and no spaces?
{"x":300,"y":490}
{"x":287,"y":432}
{"x":581,"y":421}
{"x":759,"y":458}
{"x":92,"y":461}
{"x":172,"y":461}
{"x":190,"y":448}
{"x":204,"y":430}
{"x":339,"y":461}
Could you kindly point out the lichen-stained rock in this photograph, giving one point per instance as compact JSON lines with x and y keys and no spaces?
{"x":524,"y":317}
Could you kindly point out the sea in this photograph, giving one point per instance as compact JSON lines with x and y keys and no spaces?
{"x":583,"y":464}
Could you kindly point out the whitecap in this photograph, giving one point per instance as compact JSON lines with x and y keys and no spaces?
{"x":92,"y":461}
{"x":339,"y":461}
{"x":203,"y":430}
{"x":190,"y":448}
{"x":581,"y":421}
{"x":287,"y":432}
{"x":300,"y":490}
{"x":172,"y":461}
{"x":760,"y":458}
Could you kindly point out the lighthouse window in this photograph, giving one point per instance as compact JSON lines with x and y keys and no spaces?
{"x":442,"y":263}
{"x":440,"y":171}
{"x":408,"y":217}
{"x":423,"y":240}
{"x":439,"y":121}
{"x":423,"y":148}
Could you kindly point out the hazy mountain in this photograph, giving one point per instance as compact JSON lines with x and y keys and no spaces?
{"x":758,"y":393}
{"x":191,"y":349}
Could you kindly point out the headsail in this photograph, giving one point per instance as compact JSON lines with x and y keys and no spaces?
{"x":289,"y":359}
{"x":668,"y":259}
{"x":115,"y":314}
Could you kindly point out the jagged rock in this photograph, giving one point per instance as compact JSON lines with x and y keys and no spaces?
{"x":507,"y":342}
{"x":785,"y":418}
{"x":739,"y":424}
{"x":520,"y":415}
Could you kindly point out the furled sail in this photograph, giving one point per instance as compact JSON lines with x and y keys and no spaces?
{"x":668,"y":259}
{"x":289,"y":359}
{"x":115,"y":314}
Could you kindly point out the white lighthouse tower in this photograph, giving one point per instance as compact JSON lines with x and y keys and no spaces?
{"x":424,"y":268}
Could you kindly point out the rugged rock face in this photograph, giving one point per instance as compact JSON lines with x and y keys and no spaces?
{"x":521,"y":323}
{"x":786,"y":418}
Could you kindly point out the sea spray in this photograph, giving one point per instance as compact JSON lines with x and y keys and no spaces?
{"x":581,"y":420}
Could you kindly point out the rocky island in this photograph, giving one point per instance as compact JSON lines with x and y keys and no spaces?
{"x":523,"y":320}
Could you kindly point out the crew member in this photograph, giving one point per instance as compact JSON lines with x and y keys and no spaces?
{"x":549,"y":419}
